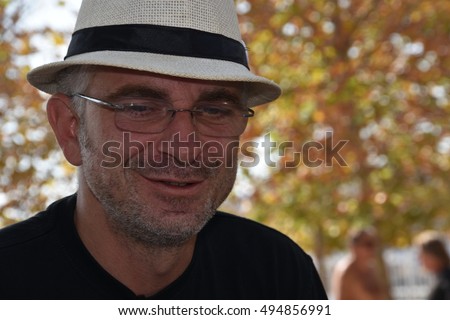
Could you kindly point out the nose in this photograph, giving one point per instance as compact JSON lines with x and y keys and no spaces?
{"x":182,"y":139}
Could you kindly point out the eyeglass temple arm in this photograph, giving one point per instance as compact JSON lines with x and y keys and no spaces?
{"x":98,"y":101}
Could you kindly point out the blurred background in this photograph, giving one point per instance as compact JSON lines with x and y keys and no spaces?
{"x":365,"y":86}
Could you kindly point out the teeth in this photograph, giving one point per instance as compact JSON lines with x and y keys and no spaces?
{"x":177,"y":184}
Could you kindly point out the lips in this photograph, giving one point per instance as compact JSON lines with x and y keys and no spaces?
{"x":176,"y":184}
{"x":173,"y":181}
{"x":179,"y":183}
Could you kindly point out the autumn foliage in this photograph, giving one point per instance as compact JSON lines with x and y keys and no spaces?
{"x":375,"y":74}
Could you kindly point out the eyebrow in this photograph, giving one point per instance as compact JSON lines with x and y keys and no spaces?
{"x":220,"y":94}
{"x":138,"y":92}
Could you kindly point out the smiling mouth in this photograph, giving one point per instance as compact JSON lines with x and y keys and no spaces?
{"x":179,"y":184}
{"x":176,"y":184}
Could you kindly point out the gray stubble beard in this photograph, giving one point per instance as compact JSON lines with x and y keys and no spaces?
{"x":136,"y":221}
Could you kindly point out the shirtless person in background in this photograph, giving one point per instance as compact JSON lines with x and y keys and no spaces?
{"x":358,"y":276}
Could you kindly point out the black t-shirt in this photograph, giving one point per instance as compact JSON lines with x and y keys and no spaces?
{"x":234,"y":258}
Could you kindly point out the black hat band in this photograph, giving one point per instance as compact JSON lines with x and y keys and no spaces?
{"x":158,"y":39}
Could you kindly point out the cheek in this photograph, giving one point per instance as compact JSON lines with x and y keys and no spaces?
{"x":100,"y":126}
{"x":427,"y":261}
{"x":109,"y":145}
{"x":220,"y":153}
{"x":132,"y":146}
{"x":117,"y":145}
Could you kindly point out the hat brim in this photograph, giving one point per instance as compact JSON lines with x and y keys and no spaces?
{"x":259,"y":89}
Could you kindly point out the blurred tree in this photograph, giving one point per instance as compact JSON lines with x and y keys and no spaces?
{"x":29,"y":157}
{"x":372,"y":75}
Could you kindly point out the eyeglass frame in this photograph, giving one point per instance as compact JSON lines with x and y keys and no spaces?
{"x":172,"y":112}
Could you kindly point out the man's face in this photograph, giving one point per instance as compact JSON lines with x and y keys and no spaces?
{"x":165,"y":187}
{"x":365,"y":247}
{"x":430,"y":262}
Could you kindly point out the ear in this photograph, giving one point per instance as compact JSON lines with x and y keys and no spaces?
{"x":65,"y":124}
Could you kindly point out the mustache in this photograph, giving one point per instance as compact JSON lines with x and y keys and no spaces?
{"x":165,"y":165}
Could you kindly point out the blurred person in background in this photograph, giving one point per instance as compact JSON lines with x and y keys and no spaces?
{"x":358,"y":276}
{"x":435,"y":259}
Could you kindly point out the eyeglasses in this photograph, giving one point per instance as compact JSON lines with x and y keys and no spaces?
{"x":215,"y":119}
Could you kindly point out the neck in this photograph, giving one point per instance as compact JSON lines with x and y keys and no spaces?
{"x":362,"y":263}
{"x":143,"y":269}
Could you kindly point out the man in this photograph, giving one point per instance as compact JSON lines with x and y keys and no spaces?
{"x":149,"y":104}
{"x":358,"y":276}
{"x":435,"y":259}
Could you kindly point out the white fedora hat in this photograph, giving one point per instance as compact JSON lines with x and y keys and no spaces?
{"x":197,"y":39}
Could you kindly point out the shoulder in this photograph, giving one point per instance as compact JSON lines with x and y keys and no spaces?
{"x":349,"y":272}
{"x":244,"y":230}
{"x":34,"y":255}
{"x":342,"y":270}
{"x":25,"y":231}
{"x":446,"y":274}
{"x":246,"y":249}
{"x":248,"y":239}
{"x":33,"y":229}
{"x":233,"y":223}
{"x":444,"y":283}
